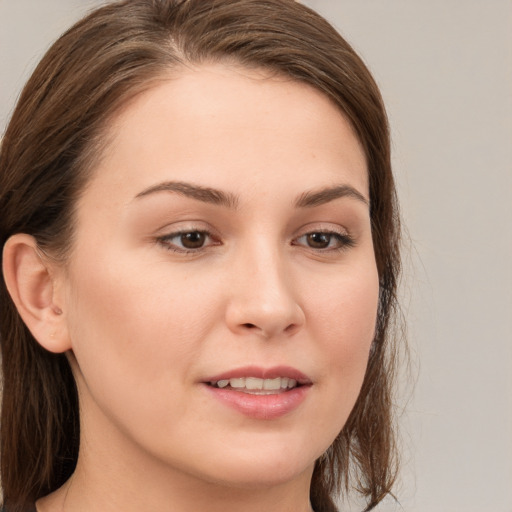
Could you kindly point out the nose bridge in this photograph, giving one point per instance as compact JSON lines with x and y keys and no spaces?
{"x":263,"y":299}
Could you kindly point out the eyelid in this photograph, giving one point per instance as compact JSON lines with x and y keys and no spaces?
{"x":165,"y":239}
{"x":322,"y":227}
{"x":345,"y":238}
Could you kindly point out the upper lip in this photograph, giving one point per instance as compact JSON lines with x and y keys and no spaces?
{"x":262,"y":373}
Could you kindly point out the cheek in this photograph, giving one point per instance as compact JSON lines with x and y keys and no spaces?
{"x":122,"y":298}
{"x":136,"y":337}
{"x":138,"y":329}
{"x":345,"y":322}
{"x":347,"y":310}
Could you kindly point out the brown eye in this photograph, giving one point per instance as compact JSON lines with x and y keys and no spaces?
{"x":318,"y":240}
{"x":187,"y":241}
{"x":193,"y":240}
{"x":325,"y":241}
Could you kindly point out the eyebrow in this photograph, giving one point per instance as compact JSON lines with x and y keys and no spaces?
{"x":204,"y":194}
{"x":325,"y":195}
{"x":210,"y":195}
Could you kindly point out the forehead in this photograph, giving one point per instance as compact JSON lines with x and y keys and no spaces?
{"x":218,"y":124}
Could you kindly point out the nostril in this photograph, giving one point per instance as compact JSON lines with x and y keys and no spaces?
{"x":249,"y":326}
{"x":291,"y":328}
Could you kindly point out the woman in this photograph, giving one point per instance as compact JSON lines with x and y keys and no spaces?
{"x":200,"y":258}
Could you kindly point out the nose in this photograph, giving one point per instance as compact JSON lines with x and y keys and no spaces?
{"x":262,"y":298}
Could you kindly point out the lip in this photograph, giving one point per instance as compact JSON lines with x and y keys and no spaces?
{"x":261,"y":407}
{"x":262,"y":373}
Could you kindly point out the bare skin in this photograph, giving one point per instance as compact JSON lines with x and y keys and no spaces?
{"x":166,"y":288}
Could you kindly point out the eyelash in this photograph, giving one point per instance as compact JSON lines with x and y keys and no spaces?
{"x":165,"y":241}
{"x":344,"y":241}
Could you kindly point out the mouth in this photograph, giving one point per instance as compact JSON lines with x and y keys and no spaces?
{"x":260,"y":393}
{"x":256,"y":385}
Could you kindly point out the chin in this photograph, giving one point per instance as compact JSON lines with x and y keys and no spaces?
{"x":255,"y":476}
{"x":262,"y":468}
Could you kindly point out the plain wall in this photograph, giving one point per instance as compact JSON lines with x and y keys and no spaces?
{"x":445,"y":70}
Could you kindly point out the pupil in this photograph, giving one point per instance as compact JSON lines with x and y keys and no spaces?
{"x":193,"y":240}
{"x":319,"y":240}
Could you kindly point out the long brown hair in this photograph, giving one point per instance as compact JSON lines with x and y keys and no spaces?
{"x":51,"y":144}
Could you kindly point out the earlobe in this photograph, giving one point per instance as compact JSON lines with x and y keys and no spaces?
{"x":31,"y":284}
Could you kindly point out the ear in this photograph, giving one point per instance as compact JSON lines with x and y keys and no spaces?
{"x":31,"y":281}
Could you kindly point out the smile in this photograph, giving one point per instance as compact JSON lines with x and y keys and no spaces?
{"x":260,"y":393}
{"x":256,"y":386}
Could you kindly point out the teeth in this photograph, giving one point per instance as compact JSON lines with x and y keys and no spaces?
{"x":272,"y":383}
{"x":254,"y":383}
{"x":237,"y":383}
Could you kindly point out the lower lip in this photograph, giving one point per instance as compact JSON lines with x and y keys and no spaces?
{"x":261,"y":407}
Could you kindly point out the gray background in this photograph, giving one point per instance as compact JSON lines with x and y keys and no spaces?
{"x":445,"y":70}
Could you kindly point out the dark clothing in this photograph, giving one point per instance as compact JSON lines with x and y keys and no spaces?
{"x":30,"y":508}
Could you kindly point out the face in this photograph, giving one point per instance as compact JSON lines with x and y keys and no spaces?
{"x":221,"y":294}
